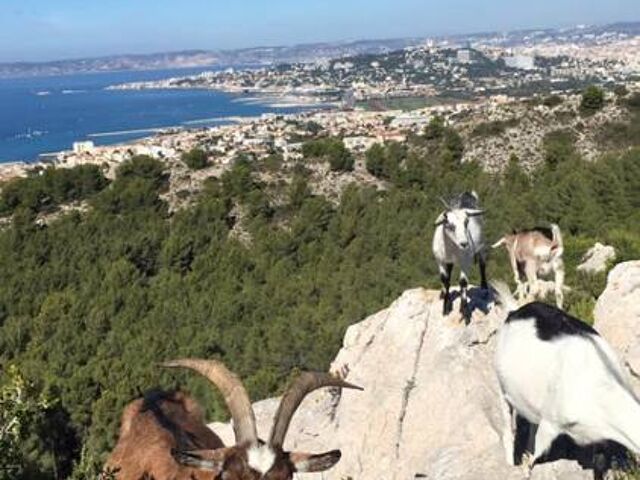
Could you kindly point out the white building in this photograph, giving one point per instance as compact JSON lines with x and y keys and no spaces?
{"x":83,"y":147}
{"x":522,"y":62}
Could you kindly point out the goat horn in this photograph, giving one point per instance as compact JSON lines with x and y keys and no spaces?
{"x":304,"y":384}
{"x":235,"y":395}
{"x":445,"y":203}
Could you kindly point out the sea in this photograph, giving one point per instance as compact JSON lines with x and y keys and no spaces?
{"x":44,"y":115}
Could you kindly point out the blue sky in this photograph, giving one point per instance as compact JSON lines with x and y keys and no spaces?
{"x":32,"y":30}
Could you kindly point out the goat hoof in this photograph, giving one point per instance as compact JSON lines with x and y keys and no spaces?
{"x":466,"y":315}
{"x":447,"y":307}
{"x":463,"y":306}
{"x":527,"y":464}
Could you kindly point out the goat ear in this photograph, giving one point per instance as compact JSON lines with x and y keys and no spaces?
{"x":211,"y":460}
{"x":442,"y":218}
{"x":308,"y":462}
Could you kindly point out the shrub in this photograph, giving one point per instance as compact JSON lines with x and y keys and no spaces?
{"x":452,"y":148}
{"x":493,"y":128}
{"x":383,"y":161}
{"x":552,"y":101}
{"x":195,"y":159}
{"x":592,"y":99}
{"x":436,"y":129}
{"x":21,"y":409}
{"x":145,"y":167}
{"x":375,"y":158}
{"x":331,"y":149}
{"x":616,"y":135}
{"x":273,"y":163}
{"x":51,"y":187}
{"x":138,"y":184}
{"x":559,"y":146}
{"x":238,"y":181}
{"x":314,"y":128}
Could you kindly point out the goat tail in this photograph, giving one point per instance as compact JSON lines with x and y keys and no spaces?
{"x":504,"y":297}
{"x":557,"y":238}
{"x":499,"y":243}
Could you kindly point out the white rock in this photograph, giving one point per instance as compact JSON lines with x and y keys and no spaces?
{"x":597,"y":258}
{"x":617,"y":313}
{"x":430,"y":405}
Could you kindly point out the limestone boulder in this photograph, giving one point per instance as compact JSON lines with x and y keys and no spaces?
{"x":430,"y":408}
{"x":617,"y":314}
{"x":597,"y":258}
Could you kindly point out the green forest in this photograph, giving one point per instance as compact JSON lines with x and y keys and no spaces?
{"x":91,"y":302}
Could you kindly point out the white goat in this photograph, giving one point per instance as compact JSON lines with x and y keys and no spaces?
{"x":535,"y":252}
{"x":557,"y":372}
{"x":458,"y":238}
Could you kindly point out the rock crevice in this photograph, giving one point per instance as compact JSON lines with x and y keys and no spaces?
{"x":411,"y":384}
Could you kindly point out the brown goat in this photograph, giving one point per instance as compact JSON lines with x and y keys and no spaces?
{"x":164,"y":436}
{"x":535,"y":252}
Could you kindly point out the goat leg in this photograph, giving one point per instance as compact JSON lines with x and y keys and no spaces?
{"x":445,"y":277}
{"x":483,"y":273}
{"x":464,"y":301}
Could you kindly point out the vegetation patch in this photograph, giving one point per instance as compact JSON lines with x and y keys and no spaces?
{"x":592,"y":100}
{"x":44,"y":190}
{"x":552,"y":101}
{"x":331,"y":150}
{"x":195,"y":159}
{"x":559,"y":146}
{"x":493,"y":128}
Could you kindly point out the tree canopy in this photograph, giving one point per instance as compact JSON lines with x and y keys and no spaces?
{"x":592,"y":99}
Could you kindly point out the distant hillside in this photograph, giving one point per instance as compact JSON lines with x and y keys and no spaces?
{"x":309,"y":52}
{"x":202,"y":58}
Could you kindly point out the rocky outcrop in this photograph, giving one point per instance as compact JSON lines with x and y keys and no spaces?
{"x":597,"y":258}
{"x":617,"y":314}
{"x":430,"y":408}
{"x":525,"y":138}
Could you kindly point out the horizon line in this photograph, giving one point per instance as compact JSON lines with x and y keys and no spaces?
{"x":306,"y":44}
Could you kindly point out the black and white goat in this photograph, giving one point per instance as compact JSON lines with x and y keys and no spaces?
{"x":557,"y":372}
{"x":458,"y":239}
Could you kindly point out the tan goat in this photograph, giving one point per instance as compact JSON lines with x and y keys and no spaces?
{"x":164,"y":436}
{"x":534,"y":252}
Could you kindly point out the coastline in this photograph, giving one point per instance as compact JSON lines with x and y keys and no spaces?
{"x":11,"y":167}
{"x":286,"y":101}
{"x":269,"y":97}
{"x":273,"y":95}
{"x":19,"y":168}
{"x":77,"y":108}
